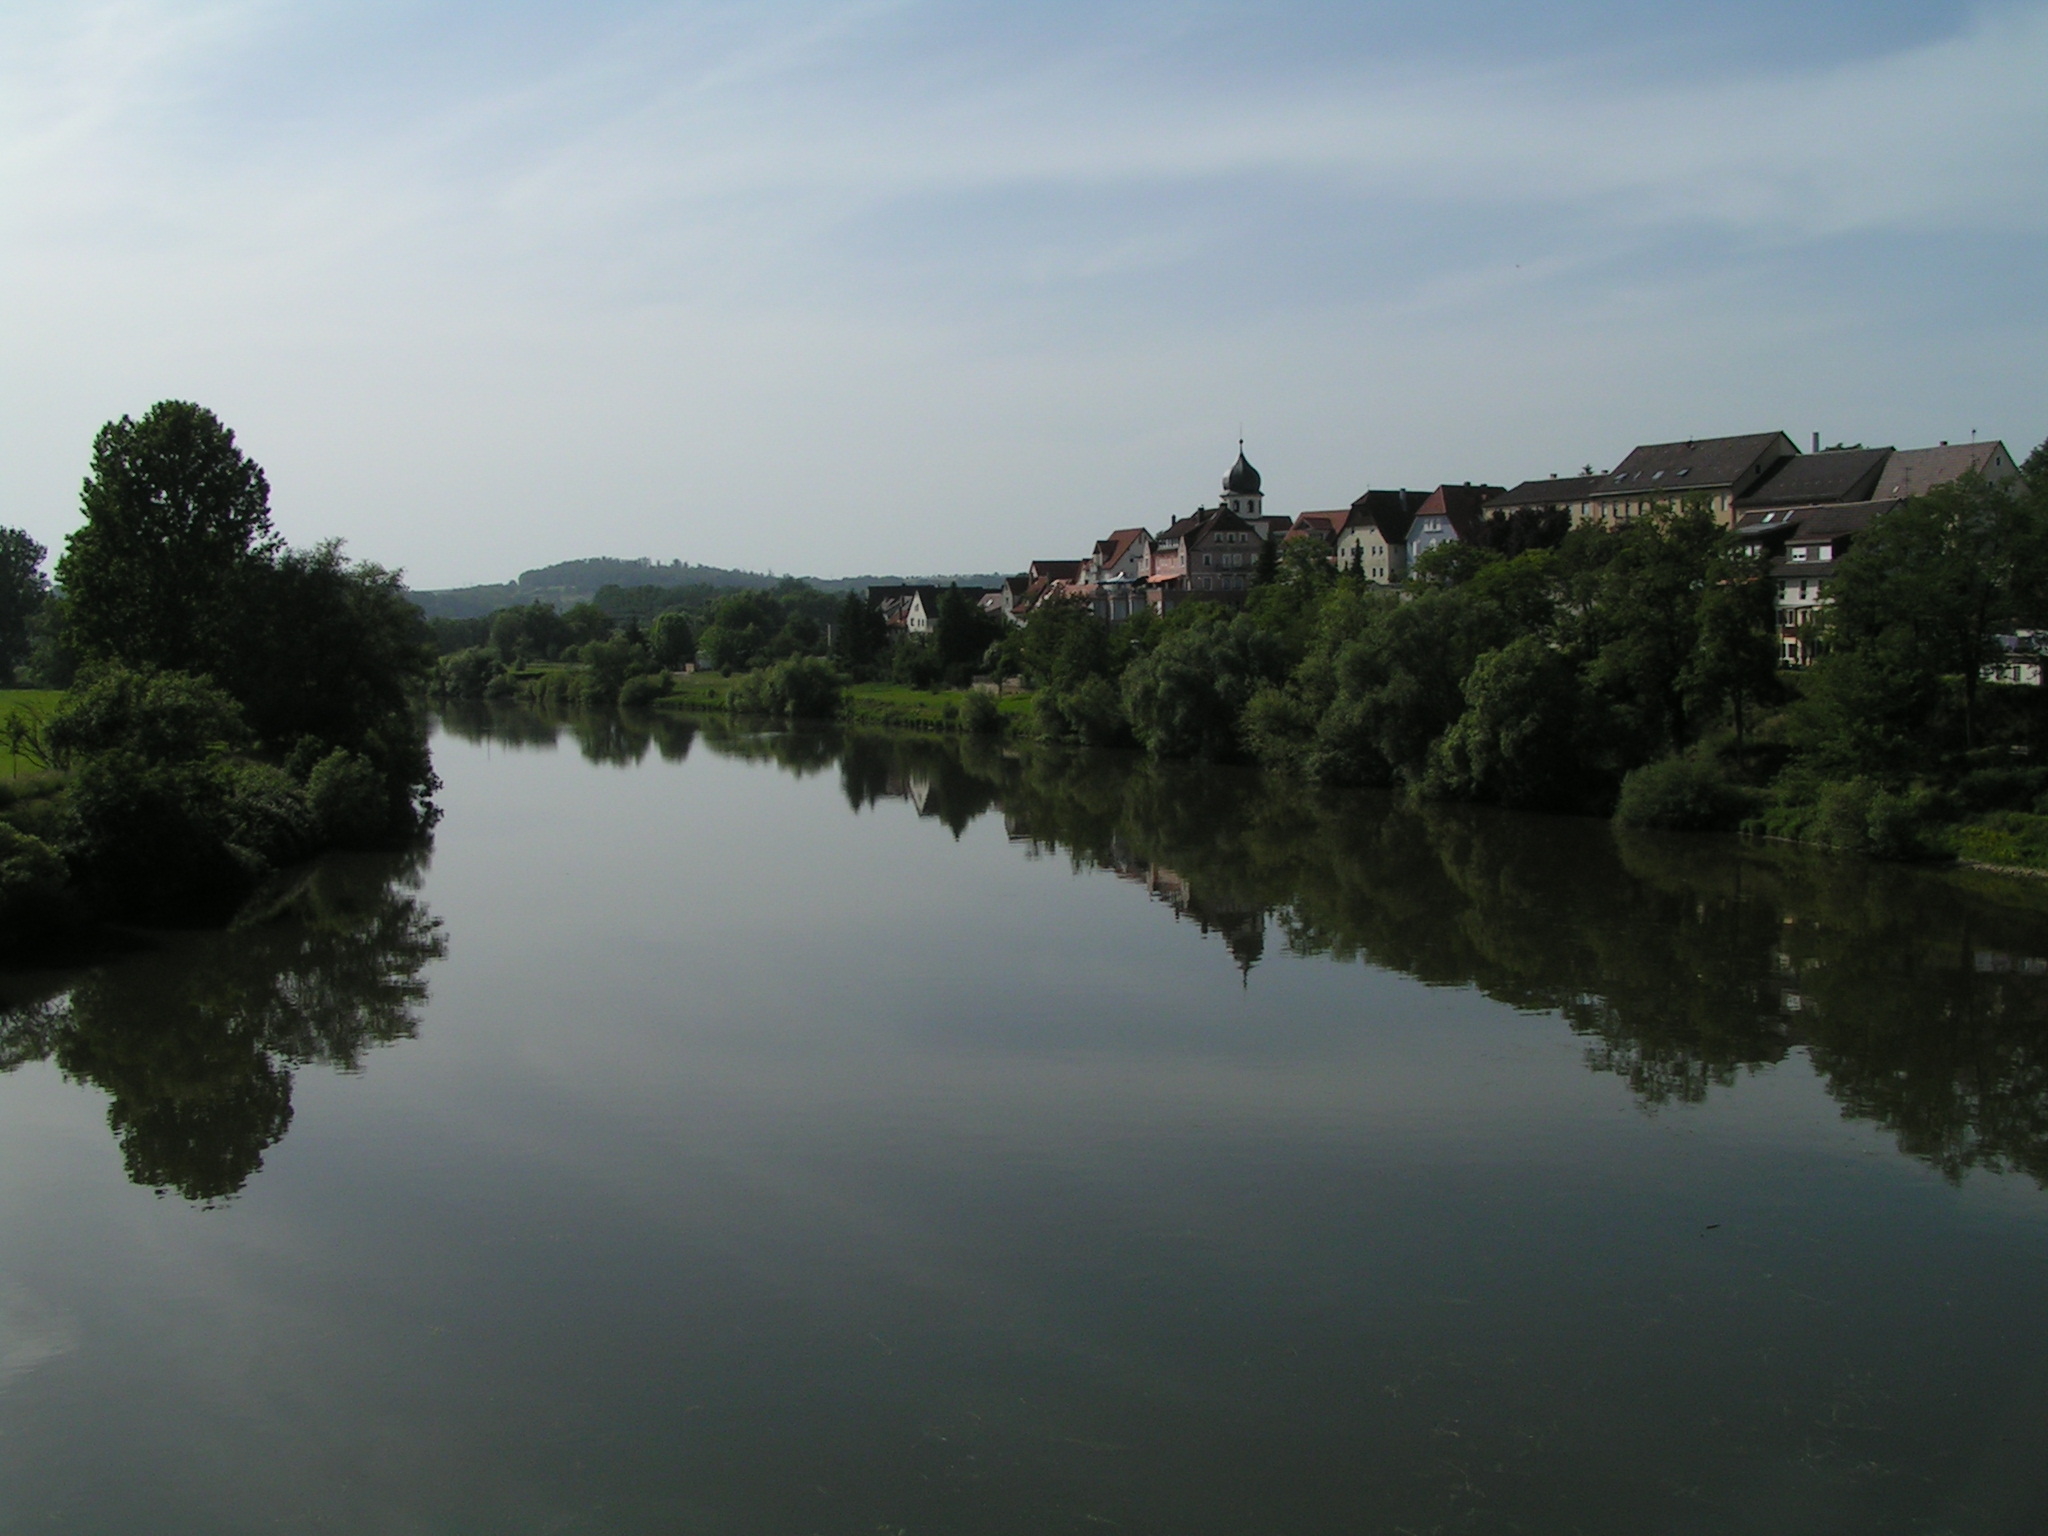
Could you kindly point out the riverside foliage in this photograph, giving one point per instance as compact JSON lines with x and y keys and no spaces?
{"x":238,"y":705}
{"x":1631,"y":670}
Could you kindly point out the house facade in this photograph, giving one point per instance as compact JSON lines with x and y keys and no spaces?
{"x":1804,"y":546}
{"x":1375,"y":537}
{"x":1207,"y":558}
{"x":1451,"y":513}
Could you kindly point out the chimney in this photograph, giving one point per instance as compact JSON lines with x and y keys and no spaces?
{"x":1816,"y":442}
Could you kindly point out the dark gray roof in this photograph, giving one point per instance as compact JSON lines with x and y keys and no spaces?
{"x":1804,"y":525}
{"x":1242,"y":480}
{"x":1840,"y":474}
{"x":1556,"y":491}
{"x":1707,"y":463}
{"x":1392,"y":512}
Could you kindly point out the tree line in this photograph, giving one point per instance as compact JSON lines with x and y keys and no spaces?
{"x":797,"y":645}
{"x":232,"y":705}
{"x":1631,"y":671}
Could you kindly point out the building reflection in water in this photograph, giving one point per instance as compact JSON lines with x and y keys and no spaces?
{"x":1684,"y":963}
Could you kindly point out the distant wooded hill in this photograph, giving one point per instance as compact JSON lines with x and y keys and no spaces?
{"x":578,"y":581}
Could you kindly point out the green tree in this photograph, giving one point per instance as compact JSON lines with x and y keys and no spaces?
{"x":963,"y":633}
{"x":587,"y":622}
{"x":1267,"y":567}
{"x":23,"y":591}
{"x":1632,"y":615}
{"x":1518,"y":740}
{"x":175,"y":516}
{"x":1184,"y":698}
{"x":1926,"y":591}
{"x":1734,"y":661}
{"x":860,"y":634}
{"x":674,"y":640}
{"x":536,"y":632}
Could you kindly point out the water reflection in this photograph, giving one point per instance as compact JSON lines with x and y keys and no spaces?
{"x":1920,"y":996}
{"x":615,"y":738}
{"x":196,"y":1041}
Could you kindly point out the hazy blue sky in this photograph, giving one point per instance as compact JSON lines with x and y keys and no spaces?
{"x":912,"y":286}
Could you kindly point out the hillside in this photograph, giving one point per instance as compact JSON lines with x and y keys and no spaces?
{"x":576,"y":581}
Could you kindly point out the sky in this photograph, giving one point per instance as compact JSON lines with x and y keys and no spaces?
{"x":893,"y":286}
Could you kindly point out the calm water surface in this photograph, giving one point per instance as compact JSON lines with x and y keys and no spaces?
{"x":724,"y":1132}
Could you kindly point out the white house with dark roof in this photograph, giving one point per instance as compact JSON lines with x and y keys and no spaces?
{"x":1375,"y":539}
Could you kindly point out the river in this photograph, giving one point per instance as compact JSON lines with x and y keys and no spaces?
{"x":721,"y":1130}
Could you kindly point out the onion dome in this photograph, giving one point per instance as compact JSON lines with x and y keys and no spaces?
{"x":1242,"y":480}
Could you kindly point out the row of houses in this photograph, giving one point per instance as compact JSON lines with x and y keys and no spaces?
{"x":1799,"y":510}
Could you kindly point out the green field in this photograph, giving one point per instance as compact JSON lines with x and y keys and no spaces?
{"x":14,"y":701}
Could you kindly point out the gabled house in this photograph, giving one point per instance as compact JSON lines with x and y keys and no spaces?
{"x":1916,"y":471}
{"x":1056,"y":570}
{"x":1803,"y":545}
{"x":1208,"y":557}
{"x":1126,"y":553}
{"x":1718,"y":470}
{"x":1375,"y":536}
{"x":921,"y":612}
{"x":1010,"y":597}
{"x":1451,"y":512}
{"x":1114,"y":577}
{"x":1325,"y":528}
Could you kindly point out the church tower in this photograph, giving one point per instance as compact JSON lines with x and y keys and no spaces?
{"x":1241,"y":493}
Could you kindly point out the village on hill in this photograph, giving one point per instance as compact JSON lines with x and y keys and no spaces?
{"x":1799,"y":509}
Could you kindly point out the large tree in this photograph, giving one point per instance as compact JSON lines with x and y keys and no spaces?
{"x":23,"y":590}
{"x":175,"y":516}
{"x":1927,"y":591}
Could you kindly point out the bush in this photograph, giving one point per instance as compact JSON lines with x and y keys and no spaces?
{"x":1184,"y":699}
{"x":1681,"y":794}
{"x":266,"y":819}
{"x":160,"y":717}
{"x":145,"y":839}
{"x":1095,"y":712}
{"x":1861,"y":816}
{"x":2002,"y":789}
{"x":468,"y":674}
{"x":641,"y":692}
{"x":980,"y":716}
{"x":348,"y":801}
{"x":34,"y":902}
{"x":800,"y":687}
{"x":2014,"y":838}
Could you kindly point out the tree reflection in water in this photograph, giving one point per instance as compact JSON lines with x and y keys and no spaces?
{"x":615,"y":738}
{"x":1920,"y":996}
{"x":196,"y":1041}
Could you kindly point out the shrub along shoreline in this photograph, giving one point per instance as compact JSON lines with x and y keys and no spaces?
{"x":230,"y":706}
{"x":1630,"y":673}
